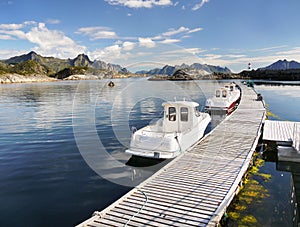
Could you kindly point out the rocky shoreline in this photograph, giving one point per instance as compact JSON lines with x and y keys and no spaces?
{"x":16,"y":78}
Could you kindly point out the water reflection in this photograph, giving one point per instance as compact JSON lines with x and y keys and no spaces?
{"x":41,"y":167}
{"x":294,"y":169}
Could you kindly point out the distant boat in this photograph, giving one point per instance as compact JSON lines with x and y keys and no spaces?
{"x":226,"y":98}
{"x":111,"y":84}
{"x":180,"y":128}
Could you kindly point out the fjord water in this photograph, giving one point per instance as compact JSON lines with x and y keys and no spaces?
{"x":44,"y":179}
{"x":278,"y":208}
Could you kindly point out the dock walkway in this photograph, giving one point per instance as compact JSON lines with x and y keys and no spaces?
{"x":196,"y":187}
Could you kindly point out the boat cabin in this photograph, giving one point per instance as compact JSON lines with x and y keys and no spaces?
{"x":222,"y":93}
{"x":230,"y":86}
{"x":180,"y":116}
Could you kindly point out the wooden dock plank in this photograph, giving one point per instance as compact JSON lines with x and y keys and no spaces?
{"x":196,"y":187}
{"x":281,"y":131}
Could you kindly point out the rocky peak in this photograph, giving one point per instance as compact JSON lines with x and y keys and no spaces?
{"x":282,"y":65}
{"x":81,"y":60}
{"x":22,"y":58}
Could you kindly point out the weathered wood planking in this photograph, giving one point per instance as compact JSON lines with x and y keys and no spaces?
{"x":196,"y":187}
{"x":280,"y":131}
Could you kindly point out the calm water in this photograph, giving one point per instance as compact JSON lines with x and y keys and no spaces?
{"x":277,"y":209}
{"x":53,"y":168}
{"x":51,"y":134}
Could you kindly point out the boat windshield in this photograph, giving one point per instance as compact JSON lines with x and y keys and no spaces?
{"x":224,"y":93}
{"x":172,"y":113}
{"x":184,"y":113}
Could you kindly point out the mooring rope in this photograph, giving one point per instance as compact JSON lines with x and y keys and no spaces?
{"x":146,"y":197}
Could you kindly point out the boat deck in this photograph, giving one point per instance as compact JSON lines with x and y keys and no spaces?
{"x":196,"y":187}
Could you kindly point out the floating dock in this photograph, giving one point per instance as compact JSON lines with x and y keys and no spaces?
{"x":286,"y":134}
{"x":282,"y":132}
{"x":195,"y":188}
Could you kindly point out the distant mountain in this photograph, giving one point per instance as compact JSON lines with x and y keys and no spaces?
{"x":25,"y":57}
{"x":281,"y":70}
{"x":282,"y":65}
{"x":81,"y":60}
{"x":54,"y":65}
{"x":202,"y":69}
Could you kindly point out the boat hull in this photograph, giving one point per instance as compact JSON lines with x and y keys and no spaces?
{"x":163,"y":145}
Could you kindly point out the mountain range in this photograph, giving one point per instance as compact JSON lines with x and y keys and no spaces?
{"x":196,"y":68}
{"x":282,"y":65}
{"x":35,"y":64}
{"x":51,"y":66}
{"x":281,"y":70}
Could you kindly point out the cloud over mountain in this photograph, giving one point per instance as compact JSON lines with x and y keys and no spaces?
{"x":46,"y":41}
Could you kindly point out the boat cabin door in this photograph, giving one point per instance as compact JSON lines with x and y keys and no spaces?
{"x":171,"y":119}
{"x":177,"y":119}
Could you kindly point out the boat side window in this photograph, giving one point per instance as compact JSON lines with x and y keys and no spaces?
{"x":184,"y":113}
{"x":197,"y":112}
{"x":231,"y":88}
{"x":218,"y":93}
{"x":172,"y":114}
{"x":224,"y":93}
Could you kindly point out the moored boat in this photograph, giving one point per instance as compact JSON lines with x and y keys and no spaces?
{"x":226,"y":98}
{"x":180,"y":128}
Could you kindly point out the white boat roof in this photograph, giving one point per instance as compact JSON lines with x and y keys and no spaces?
{"x":181,"y":103}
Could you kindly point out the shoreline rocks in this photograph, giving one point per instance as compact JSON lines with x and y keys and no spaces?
{"x":16,"y":78}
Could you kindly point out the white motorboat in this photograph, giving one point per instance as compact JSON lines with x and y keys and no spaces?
{"x":180,"y":128}
{"x":226,"y":98}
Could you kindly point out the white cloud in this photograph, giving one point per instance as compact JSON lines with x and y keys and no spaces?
{"x":270,"y":48}
{"x":165,"y":41}
{"x":47,"y":42}
{"x":194,"y":50}
{"x":172,"y":32}
{"x":11,"y":26}
{"x":53,"y":42}
{"x":181,"y":30}
{"x":235,"y":55}
{"x":140,"y":3}
{"x":5,"y":37}
{"x":12,"y":34}
{"x":98,"y":33}
{"x":194,"y":30}
{"x":199,"y":5}
{"x":108,"y":54}
{"x":146,"y":42}
{"x":127,"y":46}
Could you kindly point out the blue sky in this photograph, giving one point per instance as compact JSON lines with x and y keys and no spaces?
{"x":143,"y":34}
